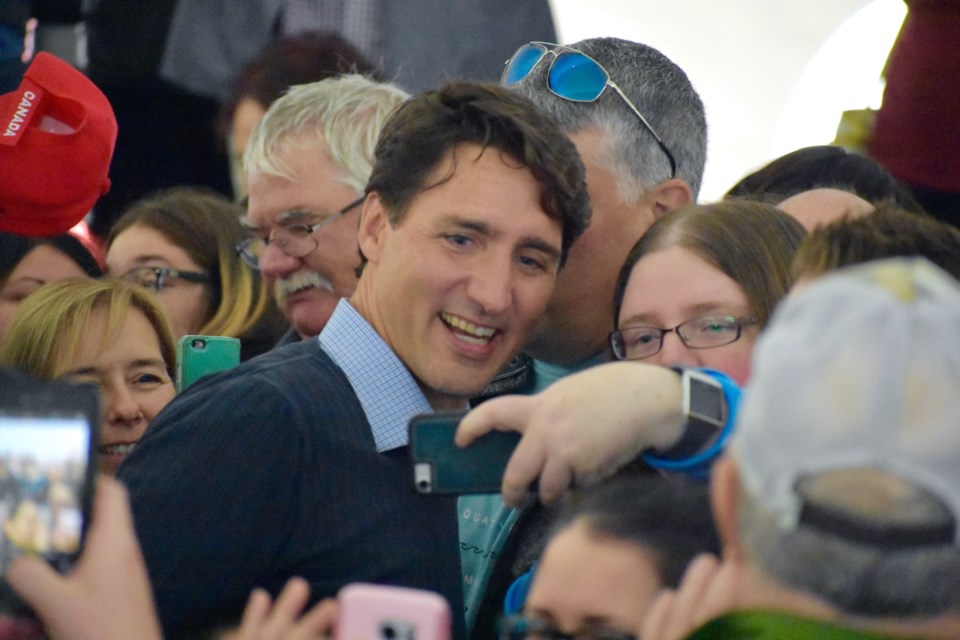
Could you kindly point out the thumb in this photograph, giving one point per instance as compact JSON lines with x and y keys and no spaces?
{"x":36,"y":582}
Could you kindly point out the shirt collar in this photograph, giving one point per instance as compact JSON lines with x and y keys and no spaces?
{"x":387,"y":391}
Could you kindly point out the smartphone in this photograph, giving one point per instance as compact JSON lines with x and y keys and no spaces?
{"x":441,"y":467}
{"x":48,"y":445}
{"x":375,"y":612}
{"x":199,"y":356}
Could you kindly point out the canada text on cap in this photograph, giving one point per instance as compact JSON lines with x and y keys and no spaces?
{"x":57,"y":133}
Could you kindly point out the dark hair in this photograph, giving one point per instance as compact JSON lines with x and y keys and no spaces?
{"x":14,"y":248}
{"x":751,"y":242}
{"x":668,"y":517}
{"x":823,"y":166}
{"x":285,"y":62}
{"x":663,"y":94}
{"x":423,"y":131}
{"x":888,"y":232}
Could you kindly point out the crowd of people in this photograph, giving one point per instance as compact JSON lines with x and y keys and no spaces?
{"x":737,"y":417}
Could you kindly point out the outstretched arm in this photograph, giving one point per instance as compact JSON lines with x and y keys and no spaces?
{"x":583,"y":427}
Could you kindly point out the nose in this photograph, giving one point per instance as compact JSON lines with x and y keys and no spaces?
{"x":674,"y":353}
{"x":491,"y":287}
{"x":275,"y":264}
{"x":121,"y":407}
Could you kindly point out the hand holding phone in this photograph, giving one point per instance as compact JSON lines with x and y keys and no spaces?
{"x":48,"y":444}
{"x":441,"y":467}
{"x":379,"y":612}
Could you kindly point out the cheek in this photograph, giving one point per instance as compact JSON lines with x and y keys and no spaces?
{"x":153,"y":402}
{"x":531,"y":301}
{"x":734,"y":361}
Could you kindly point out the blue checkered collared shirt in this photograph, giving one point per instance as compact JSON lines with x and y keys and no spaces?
{"x":387,"y":391}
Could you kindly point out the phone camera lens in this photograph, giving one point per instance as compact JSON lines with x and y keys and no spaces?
{"x":388,"y":632}
{"x":198,"y":343}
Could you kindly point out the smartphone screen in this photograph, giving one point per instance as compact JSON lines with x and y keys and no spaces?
{"x":44,"y":476}
{"x":199,"y":356}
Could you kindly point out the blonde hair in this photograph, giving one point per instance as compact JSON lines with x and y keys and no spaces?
{"x":346,"y":113}
{"x":49,"y":326}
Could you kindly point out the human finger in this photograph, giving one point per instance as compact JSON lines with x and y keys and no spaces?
{"x":254,"y":614}
{"x":505,"y":413}
{"x":657,"y":620}
{"x":318,"y":622}
{"x":689,"y":597}
{"x":523,"y":468}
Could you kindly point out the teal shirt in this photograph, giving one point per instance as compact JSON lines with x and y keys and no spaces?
{"x":485,"y":521}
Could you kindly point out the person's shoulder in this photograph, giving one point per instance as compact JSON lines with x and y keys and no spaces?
{"x":284,"y":382}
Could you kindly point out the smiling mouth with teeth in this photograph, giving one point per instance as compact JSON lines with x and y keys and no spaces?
{"x":117,"y":449}
{"x":467,"y":331}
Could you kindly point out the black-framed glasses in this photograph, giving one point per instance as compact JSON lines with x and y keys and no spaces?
{"x":637,"y":343}
{"x":157,"y":278}
{"x":529,"y":628}
{"x":295,"y":240}
{"x":574,"y":76}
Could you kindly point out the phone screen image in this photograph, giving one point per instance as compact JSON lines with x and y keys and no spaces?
{"x":44,"y":490}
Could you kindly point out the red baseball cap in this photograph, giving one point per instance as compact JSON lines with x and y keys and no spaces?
{"x":57,"y":133}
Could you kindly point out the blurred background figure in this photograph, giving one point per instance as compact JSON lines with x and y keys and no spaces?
{"x":285,"y":62}
{"x":917,"y":129}
{"x":26,"y":264}
{"x":820,"y":184}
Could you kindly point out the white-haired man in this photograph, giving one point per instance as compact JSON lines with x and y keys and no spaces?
{"x":307,"y":163}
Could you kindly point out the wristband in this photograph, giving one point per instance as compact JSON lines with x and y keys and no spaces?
{"x":710,"y":400}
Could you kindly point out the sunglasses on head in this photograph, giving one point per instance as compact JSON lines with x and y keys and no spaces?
{"x":574,"y":76}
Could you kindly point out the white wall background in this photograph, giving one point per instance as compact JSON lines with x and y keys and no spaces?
{"x":774,"y":75}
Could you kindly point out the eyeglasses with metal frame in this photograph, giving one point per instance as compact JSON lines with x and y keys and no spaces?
{"x":707,"y":332}
{"x":574,"y":76}
{"x":157,"y":278}
{"x":295,"y":240}
{"x":529,"y":628}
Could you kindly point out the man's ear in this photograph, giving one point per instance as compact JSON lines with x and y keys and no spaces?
{"x":374,"y":223}
{"x":725,"y":496}
{"x":668,"y":196}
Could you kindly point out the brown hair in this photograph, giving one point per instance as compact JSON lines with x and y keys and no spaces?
{"x":751,"y":242}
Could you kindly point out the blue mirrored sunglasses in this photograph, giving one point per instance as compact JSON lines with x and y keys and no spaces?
{"x":574,"y":76}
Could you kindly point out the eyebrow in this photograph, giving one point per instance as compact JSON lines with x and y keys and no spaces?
{"x":529,"y":242}
{"x":143,"y":260}
{"x":40,"y":281}
{"x":692,"y":312}
{"x":133,"y":364}
{"x":291,"y":216}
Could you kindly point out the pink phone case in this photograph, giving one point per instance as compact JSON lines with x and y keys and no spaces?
{"x":372,"y":612}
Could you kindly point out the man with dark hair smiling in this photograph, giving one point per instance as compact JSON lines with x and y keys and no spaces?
{"x":294,"y":463}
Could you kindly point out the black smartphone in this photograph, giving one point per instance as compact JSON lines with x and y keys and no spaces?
{"x":441,"y":467}
{"x":199,"y":356}
{"x":48,"y":445}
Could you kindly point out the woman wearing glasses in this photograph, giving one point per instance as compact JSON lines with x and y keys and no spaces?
{"x":181,"y":244}
{"x":701,"y":283}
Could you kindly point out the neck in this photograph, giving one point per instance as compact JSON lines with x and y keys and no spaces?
{"x":762,"y":592}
